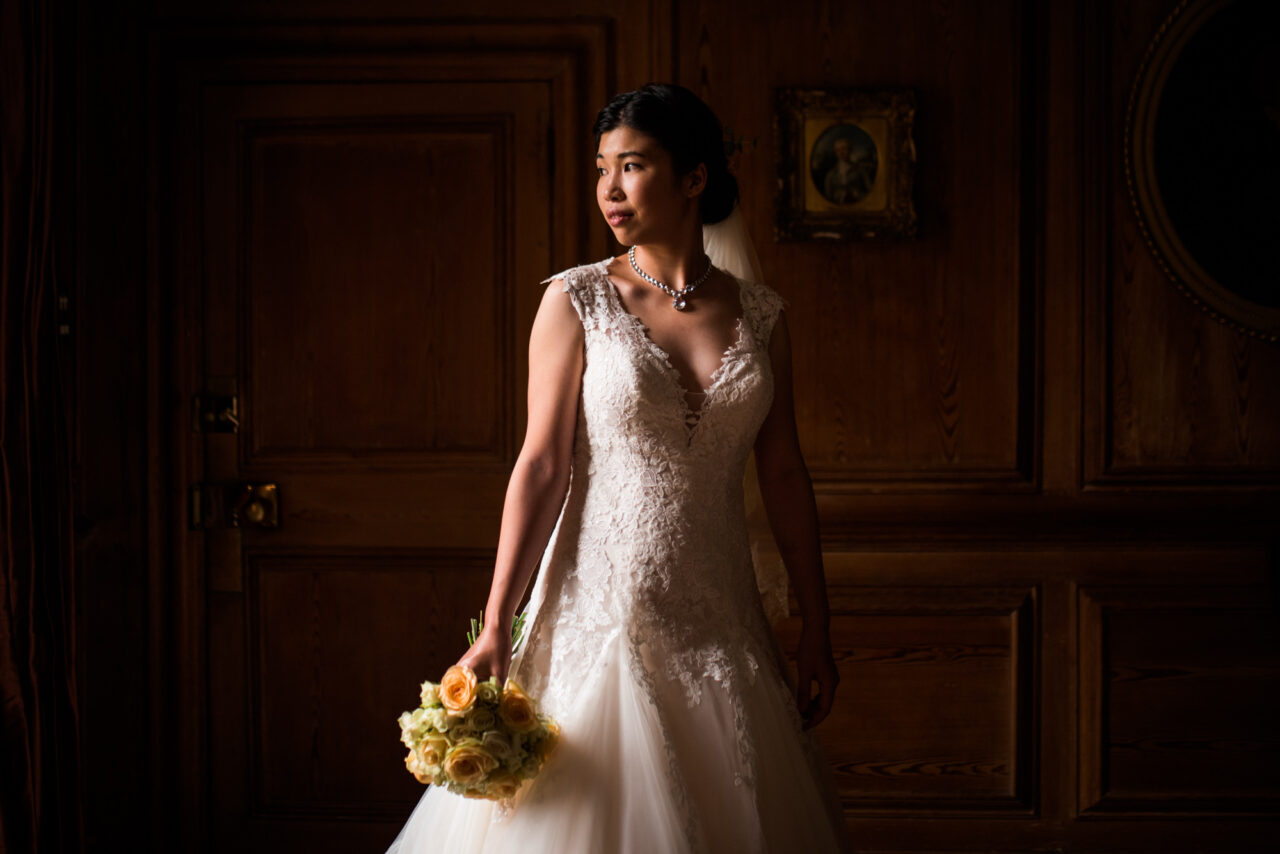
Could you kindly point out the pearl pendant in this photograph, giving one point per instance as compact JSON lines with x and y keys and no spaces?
{"x":679,"y":304}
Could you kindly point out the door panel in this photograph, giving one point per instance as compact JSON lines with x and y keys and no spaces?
{"x":373,"y":298}
{"x":323,"y":737}
{"x":372,"y":275}
{"x":359,"y":250}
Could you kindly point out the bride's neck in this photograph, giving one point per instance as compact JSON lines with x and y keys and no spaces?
{"x":675,"y":262}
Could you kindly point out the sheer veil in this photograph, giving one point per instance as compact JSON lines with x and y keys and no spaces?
{"x":728,"y":245}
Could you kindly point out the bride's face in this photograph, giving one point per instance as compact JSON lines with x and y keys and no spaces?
{"x":640,"y":195}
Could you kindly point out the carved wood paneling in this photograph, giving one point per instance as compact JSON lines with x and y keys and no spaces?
{"x":336,"y":311}
{"x":367,"y":316}
{"x":1174,"y":398}
{"x":1177,"y":701}
{"x":321,"y":711}
{"x":377,"y":316}
{"x":916,"y":367}
{"x":361,"y":217}
{"x":916,"y":362}
{"x":936,"y":713}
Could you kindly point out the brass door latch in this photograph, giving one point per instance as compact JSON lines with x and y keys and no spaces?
{"x":257,"y":505}
{"x":237,"y":505}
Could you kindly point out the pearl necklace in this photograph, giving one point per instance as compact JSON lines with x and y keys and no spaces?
{"x":678,"y":298}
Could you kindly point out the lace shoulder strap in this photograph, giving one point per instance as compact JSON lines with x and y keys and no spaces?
{"x":761,"y":305}
{"x":585,"y":286}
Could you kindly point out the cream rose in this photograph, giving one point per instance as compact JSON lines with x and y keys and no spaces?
{"x":433,"y":749}
{"x":410,"y":723}
{"x":516,"y":709}
{"x":430,"y":694}
{"x":458,"y":689}
{"x":468,"y":763}
{"x":504,"y":785}
{"x":481,"y":719}
{"x":498,"y":744}
{"x":437,"y":719}
{"x":419,"y":768}
{"x":487,"y":691}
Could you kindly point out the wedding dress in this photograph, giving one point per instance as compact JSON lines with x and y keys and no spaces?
{"x":646,"y":637}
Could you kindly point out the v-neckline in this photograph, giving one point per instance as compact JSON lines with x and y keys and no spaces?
{"x":692,"y":417}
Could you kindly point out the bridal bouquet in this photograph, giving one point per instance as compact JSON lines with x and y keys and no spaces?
{"x":474,"y":738}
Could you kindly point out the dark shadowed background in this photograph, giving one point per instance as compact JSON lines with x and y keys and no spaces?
{"x":299,"y":243}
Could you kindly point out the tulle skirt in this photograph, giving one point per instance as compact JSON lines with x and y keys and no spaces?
{"x":607,"y":788}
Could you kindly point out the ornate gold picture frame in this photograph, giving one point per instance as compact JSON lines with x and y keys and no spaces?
{"x":846,"y":164}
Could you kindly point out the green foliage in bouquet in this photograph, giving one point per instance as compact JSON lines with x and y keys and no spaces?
{"x":477,"y":626}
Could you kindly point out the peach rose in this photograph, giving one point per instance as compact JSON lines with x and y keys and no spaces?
{"x":468,"y":763}
{"x":421,"y":771}
{"x":458,"y":689}
{"x":516,"y":709}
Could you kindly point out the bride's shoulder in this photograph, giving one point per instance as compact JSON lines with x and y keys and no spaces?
{"x":585,"y":286}
{"x":761,"y":302}
{"x":582,"y":276}
{"x":761,"y":306}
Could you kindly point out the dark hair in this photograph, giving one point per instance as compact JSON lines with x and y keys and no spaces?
{"x":683,"y":125}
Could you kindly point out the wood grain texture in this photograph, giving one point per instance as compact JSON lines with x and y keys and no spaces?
{"x":376,"y":315}
{"x":1015,"y":404}
{"x":1177,"y":701}
{"x":310,"y":618}
{"x":916,"y":369}
{"x":361,"y":216}
{"x":938,"y":712}
{"x":1184,"y":399}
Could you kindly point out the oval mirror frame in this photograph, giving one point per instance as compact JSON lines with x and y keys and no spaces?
{"x":1211,"y":295}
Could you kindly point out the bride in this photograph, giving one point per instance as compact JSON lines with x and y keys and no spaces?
{"x":652,"y":377}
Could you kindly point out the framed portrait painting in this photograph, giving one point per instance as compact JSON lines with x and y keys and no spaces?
{"x":846,"y":164}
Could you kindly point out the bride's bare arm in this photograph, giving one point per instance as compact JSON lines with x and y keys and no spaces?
{"x":540,"y":477}
{"x":793,"y":516}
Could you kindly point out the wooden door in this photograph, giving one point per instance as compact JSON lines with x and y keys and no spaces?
{"x":360,"y":233}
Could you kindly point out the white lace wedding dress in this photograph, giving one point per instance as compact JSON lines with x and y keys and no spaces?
{"x":646,"y":635}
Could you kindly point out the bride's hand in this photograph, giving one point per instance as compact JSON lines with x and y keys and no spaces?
{"x":815,"y":663}
{"x":490,"y":655}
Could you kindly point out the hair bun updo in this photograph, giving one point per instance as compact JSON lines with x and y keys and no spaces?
{"x":689,"y":131}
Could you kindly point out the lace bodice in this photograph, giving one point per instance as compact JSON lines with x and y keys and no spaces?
{"x":652,"y":541}
{"x":647,"y":639}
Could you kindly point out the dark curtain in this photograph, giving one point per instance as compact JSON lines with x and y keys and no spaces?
{"x":39,"y":743}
